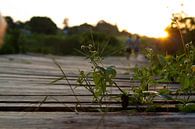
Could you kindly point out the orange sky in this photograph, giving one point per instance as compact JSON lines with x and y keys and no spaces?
{"x":145,"y":17}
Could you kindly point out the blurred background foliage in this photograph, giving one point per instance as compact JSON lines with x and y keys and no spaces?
{"x":41,"y":35}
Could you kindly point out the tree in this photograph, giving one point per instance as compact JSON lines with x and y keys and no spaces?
{"x":42,"y":25}
{"x":10,"y":23}
{"x":81,"y":29}
{"x":66,"y":23}
{"x":103,"y":26}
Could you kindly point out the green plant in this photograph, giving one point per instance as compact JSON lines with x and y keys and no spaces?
{"x":166,"y":68}
{"x":189,"y":107}
{"x":102,"y":77}
{"x":179,"y":69}
{"x":146,"y":76}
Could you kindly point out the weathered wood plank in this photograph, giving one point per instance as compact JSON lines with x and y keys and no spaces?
{"x":34,"y":62}
{"x":60,"y":120}
{"x":71,"y":99}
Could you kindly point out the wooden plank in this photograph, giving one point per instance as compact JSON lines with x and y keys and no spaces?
{"x":25,"y":90}
{"x":60,"y":120}
{"x":71,"y":99}
{"x":63,"y":83}
{"x":34,"y":62}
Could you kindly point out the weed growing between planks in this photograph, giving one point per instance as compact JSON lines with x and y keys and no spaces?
{"x":166,"y":68}
{"x":102,"y":77}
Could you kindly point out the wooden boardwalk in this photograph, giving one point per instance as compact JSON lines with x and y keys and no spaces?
{"x":64,"y":120}
{"x":27,"y":100}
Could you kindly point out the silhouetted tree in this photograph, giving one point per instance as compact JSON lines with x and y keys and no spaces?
{"x":103,"y":26}
{"x":186,"y":26}
{"x":85,"y":27}
{"x":10,"y":23}
{"x":180,"y":25}
{"x":125,"y":33}
{"x":80,"y":29}
{"x":43,"y":25}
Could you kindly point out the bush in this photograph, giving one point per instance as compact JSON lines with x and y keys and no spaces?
{"x":9,"y":47}
{"x":51,"y":44}
{"x":58,"y":44}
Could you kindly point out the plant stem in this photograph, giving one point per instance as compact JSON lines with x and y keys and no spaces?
{"x":65,"y":77}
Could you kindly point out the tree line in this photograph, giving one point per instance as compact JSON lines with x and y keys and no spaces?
{"x":41,"y":35}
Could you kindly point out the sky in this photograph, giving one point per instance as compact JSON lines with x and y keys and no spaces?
{"x":144,"y":17}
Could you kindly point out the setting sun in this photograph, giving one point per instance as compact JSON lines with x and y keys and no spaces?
{"x":164,"y":34}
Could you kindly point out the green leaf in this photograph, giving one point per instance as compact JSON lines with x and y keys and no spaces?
{"x":100,"y":84}
{"x":111,"y":72}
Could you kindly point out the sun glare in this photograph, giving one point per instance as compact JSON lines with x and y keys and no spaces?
{"x":164,"y":35}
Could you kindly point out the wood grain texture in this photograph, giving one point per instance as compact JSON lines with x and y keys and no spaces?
{"x":61,"y":120}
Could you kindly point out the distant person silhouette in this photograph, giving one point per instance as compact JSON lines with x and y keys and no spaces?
{"x":137,"y":45}
{"x":133,"y":45}
{"x":129,"y":46}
